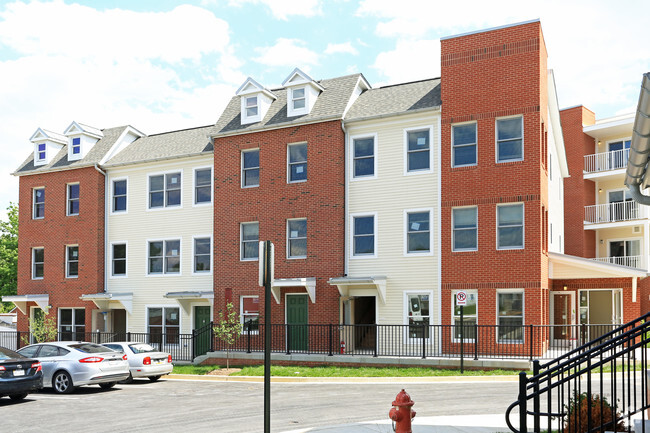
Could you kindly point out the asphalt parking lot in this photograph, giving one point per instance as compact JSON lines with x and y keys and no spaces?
{"x":200,"y":406}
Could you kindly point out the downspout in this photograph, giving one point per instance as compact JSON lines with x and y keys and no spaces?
{"x":346,"y":198}
{"x":105,"y":224}
{"x":636,"y":173}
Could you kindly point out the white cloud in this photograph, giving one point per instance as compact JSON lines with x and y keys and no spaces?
{"x":287,"y":52}
{"x":283,"y":9}
{"x":345,"y":48}
{"x":409,"y":61}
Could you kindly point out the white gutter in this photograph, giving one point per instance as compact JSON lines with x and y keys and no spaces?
{"x":106,"y":204}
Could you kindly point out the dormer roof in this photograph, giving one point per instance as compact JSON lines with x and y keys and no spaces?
{"x":80,"y":128}
{"x":251,"y":86}
{"x":298,"y":78}
{"x":44,"y":134}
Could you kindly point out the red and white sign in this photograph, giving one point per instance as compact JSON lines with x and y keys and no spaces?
{"x":461,"y":298}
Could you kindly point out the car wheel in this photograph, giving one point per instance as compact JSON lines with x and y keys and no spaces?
{"x":128,"y":379}
{"x":107,"y":385}
{"x":62,"y":383}
{"x":16,"y":397}
{"x":154,"y":378}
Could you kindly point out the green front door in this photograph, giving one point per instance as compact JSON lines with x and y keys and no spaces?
{"x":297,"y":321}
{"x":202,"y":328}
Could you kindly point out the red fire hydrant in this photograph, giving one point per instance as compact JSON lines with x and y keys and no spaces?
{"x":402,"y":413}
{"x":342,"y":347}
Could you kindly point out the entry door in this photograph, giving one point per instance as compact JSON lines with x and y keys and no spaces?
{"x":619,"y":153}
{"x":119,"y":324}
{"x":563,"y":315}
{"x":598,"y":309}
{"x":622,"y":206}
{"x":625,"y":253}
{"x":201,"y":322}
{"x":297,"y":319}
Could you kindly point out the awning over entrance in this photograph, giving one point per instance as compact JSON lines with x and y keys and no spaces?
{"x":20,"y":301}
{"x":308,"y":283}
{"x":184,"y":299}
{"x":566,"y":267}
{"x":108,"y":301}
{"x":349,"y":286}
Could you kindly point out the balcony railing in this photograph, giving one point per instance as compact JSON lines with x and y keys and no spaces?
{"x":613,"y":212}
{"x":614,"y":160}
{"x":630,"y":261}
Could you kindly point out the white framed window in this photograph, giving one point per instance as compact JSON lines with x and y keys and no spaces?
{"x":510,"y":226}
{"x":202,"y":255}
{"x":38,"y":201}
{"x":38,"y":263}
{"x":510,"y":316}
{"x":165,"y":190}
{"x":72,"y":261}
{"x":252,"y":106}
{"x":250,"y":236}
{"x":510,"y":139}
{"x":297,"y":162}
{"x":118,"y":259}
{"x":417,"y":143}
{"x":465,"y":228}
{"x":163,"y":325}
{"x":164,"y":257}
{"x":470,"y":316}
{"x":250,"y":168}
{"x":72,"y":324}
{"x":41,"y":152}
{"x":364,"y":157}
{"x":297,"y":238}
{"x":76,"y":146}
{"x":463,"y":144}
{"x":73,"y":199}
{"x":418,"y":315}
{"x":203,"y":185}
{"x":298,"y":98}
{"x":364,"y":235}
{"x":249,"y":314}
{"x":119,"y":202}
{"x":418,"y":231}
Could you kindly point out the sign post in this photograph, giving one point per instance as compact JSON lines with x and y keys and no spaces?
{"x":461,"y":300}
{"x":266,"y":254}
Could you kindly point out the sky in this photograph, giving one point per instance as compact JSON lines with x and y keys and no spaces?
{"x":162,"y":65}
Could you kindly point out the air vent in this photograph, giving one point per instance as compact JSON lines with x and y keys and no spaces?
{"x":636,"y":229}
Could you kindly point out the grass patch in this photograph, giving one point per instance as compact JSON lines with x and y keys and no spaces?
{"x":333,"y":371}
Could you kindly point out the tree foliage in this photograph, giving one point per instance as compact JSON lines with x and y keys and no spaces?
{"x":228,"y":328}
{"x":43,"y":329}
{"x":9,"y":256}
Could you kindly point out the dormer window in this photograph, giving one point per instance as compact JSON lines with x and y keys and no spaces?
{"x":298,"y":98}
{"x":46,"y":145}
{"x":41,"y":152}
{"x":81,"y":138}
{"x":302,"y":93}
{"x":251,"y":106}
{"x":255,"y":101}
{"x":76,"y":146}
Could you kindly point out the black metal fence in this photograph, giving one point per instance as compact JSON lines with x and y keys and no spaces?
{"x":596,"y":387}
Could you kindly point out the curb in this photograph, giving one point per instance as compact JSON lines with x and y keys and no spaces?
{"x":284,"y":379}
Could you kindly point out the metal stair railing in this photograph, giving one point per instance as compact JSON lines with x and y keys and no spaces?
{"x":596,"y":387}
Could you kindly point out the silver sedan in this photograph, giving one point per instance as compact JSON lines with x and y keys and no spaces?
{"x":68,"y":364}
{"x":144,"y":360}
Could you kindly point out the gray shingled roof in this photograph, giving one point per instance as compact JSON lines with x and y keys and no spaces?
{"x":166,"y":145}
{"x":331,"y":103}
{"x":397,"y":99}
{"x":60,"y":160}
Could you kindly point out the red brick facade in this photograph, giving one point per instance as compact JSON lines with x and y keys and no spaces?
{"x":57,"y":230}
{"x":321,"y":200}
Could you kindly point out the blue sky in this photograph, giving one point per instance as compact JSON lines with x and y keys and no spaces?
{"x":164,"y":65}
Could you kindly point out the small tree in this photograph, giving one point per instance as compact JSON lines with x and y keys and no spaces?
{"x":228,"y":328}
{"x":43,"y":329}
{"x":604,"y":416}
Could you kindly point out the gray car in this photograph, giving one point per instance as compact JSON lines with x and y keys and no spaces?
{"x":68,"y":364}
{"x":144,"y":360}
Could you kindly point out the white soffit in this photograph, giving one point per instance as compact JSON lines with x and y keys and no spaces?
{"x":20,"y":301}
{"x":308,"y":283}
{"x":103,"y":300}
{"x":345,"y":284}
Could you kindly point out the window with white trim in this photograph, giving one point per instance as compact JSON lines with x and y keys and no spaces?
{"x":298,"y":98}
{"x":38,"y":263}
{"x":465,"y":228}
{"x":72,"y":324}
{"x":419,"y":315}
{"x":510,"y":139}
{"x":163,"y":324}
{"x":38,"y":200}
{"x":118,"y":266}
{"x":203,"y":185}
{"x":165,"y":257}
{"x":297,"y":162}
{"x":363,"y":235}
{"x":249,"y":313}
{"x":469,"y":316}
{"x":73,"y":199}
{"x":418,"y":152}
{"x":250,"y":168}
{"x":119,"y":195}
{"x":76,"y":146}
{"x":72,"y":261}
{"x":463,"y":139}
{"x":418,"y":232}
{"x":41,"y":152}
{"x":510,"y":226}
{"x":510,"y":316}
{"x":165,"y":190}
{"x":363,"y":157}
{"x":202,"y":254}
{"x":250,"y":236}
{"x":252,"y":107}
{"x":297,"y":238}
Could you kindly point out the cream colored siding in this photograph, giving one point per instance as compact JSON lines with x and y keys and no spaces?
{"x":139,"y":225}
{"x":555,"y":197}
{"x":389,"y":195}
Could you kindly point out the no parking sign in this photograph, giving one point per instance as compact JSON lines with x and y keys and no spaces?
{"x":461,"y":298}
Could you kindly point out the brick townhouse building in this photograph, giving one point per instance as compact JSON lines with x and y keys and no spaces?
{"x":382,"y":204}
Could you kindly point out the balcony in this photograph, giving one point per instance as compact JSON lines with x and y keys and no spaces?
{"x":606,"y":161}
{"x":629,"y":261}
{"x":614,"y":212}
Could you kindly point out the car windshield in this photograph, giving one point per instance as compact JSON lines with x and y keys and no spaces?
{"x":90,"y":348}
{"x":8,"y":354}
{"x":141,"y":348}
